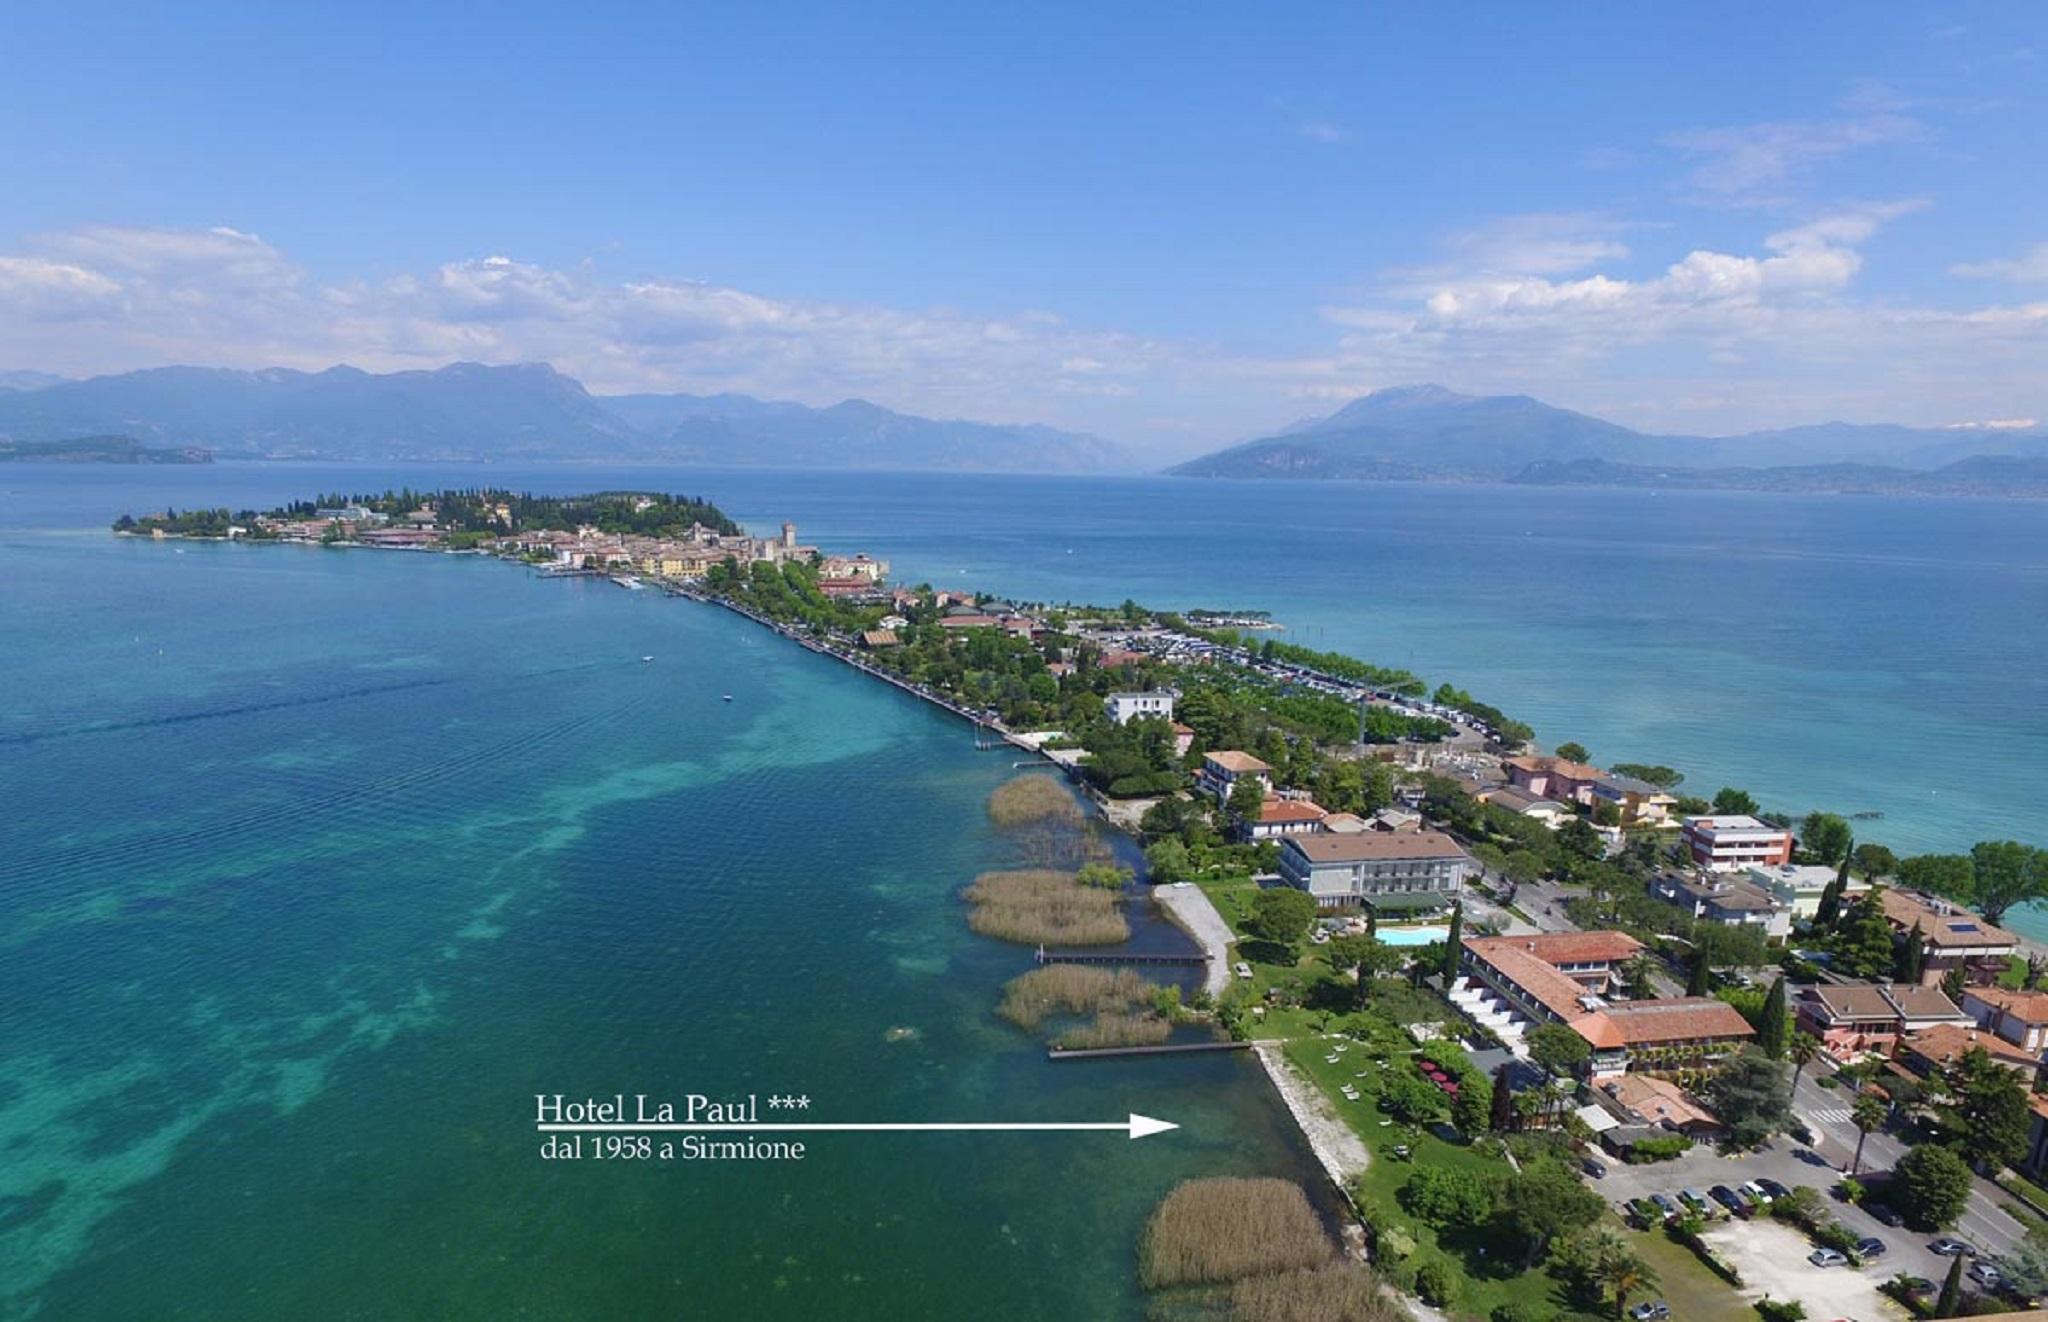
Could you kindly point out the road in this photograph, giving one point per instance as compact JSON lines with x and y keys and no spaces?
{"x":1826,"y":1112}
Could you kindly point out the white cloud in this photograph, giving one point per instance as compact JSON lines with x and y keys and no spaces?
{"x":1322,"y":130}
{"x":1553,"y":305}
{"x":2030,"y":267}
{"x":1744,"y":163}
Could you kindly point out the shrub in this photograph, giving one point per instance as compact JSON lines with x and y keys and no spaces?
{"x":1658,"y":1149}
{"x":1209,"y":1232}
{"x":1780,"y":1310}
{"x":1038,"y":906}
{"x":1436,"y":1282}
{"x":1520,"y":1310}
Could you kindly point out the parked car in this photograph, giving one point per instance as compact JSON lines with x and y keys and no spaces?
{"x":1243,"y":970}
{"x":1667,"y":1205}
{"x":1916,"y":1285}
{"x":1870,"y":1246}
{"x":1827,"y":1258}
{"x":1698,"y":1200}
{"x":1595,"y":1167}
{"x":1984,"y":1274}
{"x":1756,"y":1191}
{"x":1885,"y":1213}
{"x":1725,"y":1196}
{"x":1773,"y":1188}
{"x":1949,"y":1247}
{"x":1650,"y":1312}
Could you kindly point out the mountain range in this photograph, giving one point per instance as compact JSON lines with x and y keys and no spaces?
{"x":1428,"y":433}
{"x":468,"y":411}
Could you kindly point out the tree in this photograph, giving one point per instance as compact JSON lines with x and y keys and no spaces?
{"x":1930,"y":1187}
{"x":1803,"y":1048}
{"x":1580,"y":840}
{"x":1558,"y":1049}
{"x":1363,"y":955}
{"x":1545,"y":1200}
{"x":1910,"y":962}
{"x":1167,"y":861}
{"x":2007,"y":873}
{"x":1868,"y":1114}
{"x":1638,"y":977}
{"x":1472,"y":1108}
{"x":1247,"y":797}
{"x":1454,"y":943}
{"x":1874,"y":860}
{"x":1749,"y":1093}
{"x":1830,"y":910}
{"x":1623,"y":1274}
{"x":1776,"y":1024}
{"x":1573,"y":752}
{"x":1825,"y":836}
{"x":1952,"y":875}
{"x":1502,"y":1118}
{"x":1281,"y":915}
{"x":1951,"y":1289}
{"x":1863,"y":940}
{"x":1732,"y":802}
{"x":1657,"y":774}
{"x":1990,"y":1109}
{"x":1699,"y":978}
{"x":1448,"y":1196}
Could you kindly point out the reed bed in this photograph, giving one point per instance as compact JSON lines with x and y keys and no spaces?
{"x":1340,"y":1292}
{"x":1117,"y":1028}
{"x":1039,"y":906}
{"x":1213,"y":1232}
{"x":1032,"y":798}
{"x":1030,"y":1000}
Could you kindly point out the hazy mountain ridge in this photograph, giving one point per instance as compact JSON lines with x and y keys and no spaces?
{"x":1429,"y":433}
{"x":468,"y":411}
{"x":99,"y":450}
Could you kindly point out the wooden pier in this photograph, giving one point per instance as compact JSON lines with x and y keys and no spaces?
{"x":1044,"y":956}
{"x":1166,"y":1049}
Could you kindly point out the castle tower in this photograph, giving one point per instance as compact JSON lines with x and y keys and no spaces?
{"x":789,"y":537}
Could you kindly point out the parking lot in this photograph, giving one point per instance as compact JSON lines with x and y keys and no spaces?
{"x":1772,"y":1257}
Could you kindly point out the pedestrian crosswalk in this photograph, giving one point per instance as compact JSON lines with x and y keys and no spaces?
{"x":1832,"y":1116}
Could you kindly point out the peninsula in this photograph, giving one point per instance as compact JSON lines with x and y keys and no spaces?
{"x":1466,"y":962}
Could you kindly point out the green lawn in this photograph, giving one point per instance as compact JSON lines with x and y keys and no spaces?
{"x":1694,"y":1292}
{"x":1683,"y":1281}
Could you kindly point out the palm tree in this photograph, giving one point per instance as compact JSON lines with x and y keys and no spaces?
{"x":1802,"y":1048}
{"x":1624,"y":1273}
{"x":1868,"y":1113}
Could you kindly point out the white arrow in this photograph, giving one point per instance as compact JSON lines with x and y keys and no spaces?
{"x":1137,"y":1126}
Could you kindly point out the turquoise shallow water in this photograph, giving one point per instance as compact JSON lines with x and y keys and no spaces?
{"x":317,"y":865}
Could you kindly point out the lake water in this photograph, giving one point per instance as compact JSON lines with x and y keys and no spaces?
{"x":318,"y":865}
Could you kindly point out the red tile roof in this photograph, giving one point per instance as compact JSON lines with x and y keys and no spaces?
{"x":1944,"y":1042}
{"x":1230,"y":759}
{"x":1290,"y":810}
{"x":1566,"y":947}
{"x":1674,"y":1019}
{"x":1942,"y":923}
{"x":2029,"y":1007}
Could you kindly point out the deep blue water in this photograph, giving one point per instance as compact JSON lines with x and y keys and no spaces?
{"x":318,"y":864}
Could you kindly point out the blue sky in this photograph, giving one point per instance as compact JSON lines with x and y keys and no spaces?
{"x":1172,"y":224}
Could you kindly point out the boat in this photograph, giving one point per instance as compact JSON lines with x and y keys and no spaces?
{"x":728,"y":697}
{"x":646,"y":658}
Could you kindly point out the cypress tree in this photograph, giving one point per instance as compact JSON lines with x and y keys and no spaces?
{"x":1951,"y":1289}
{"x":1453,"y":943}
{"x":1830,"y":904}
{"x":1503,"y":1118}
{"x":1913,"y":956}
{"x":1770,"y":1034}
{"x":1701,"y":977}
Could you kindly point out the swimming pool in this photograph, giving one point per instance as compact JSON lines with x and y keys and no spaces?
{"x":1412,"y":936}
